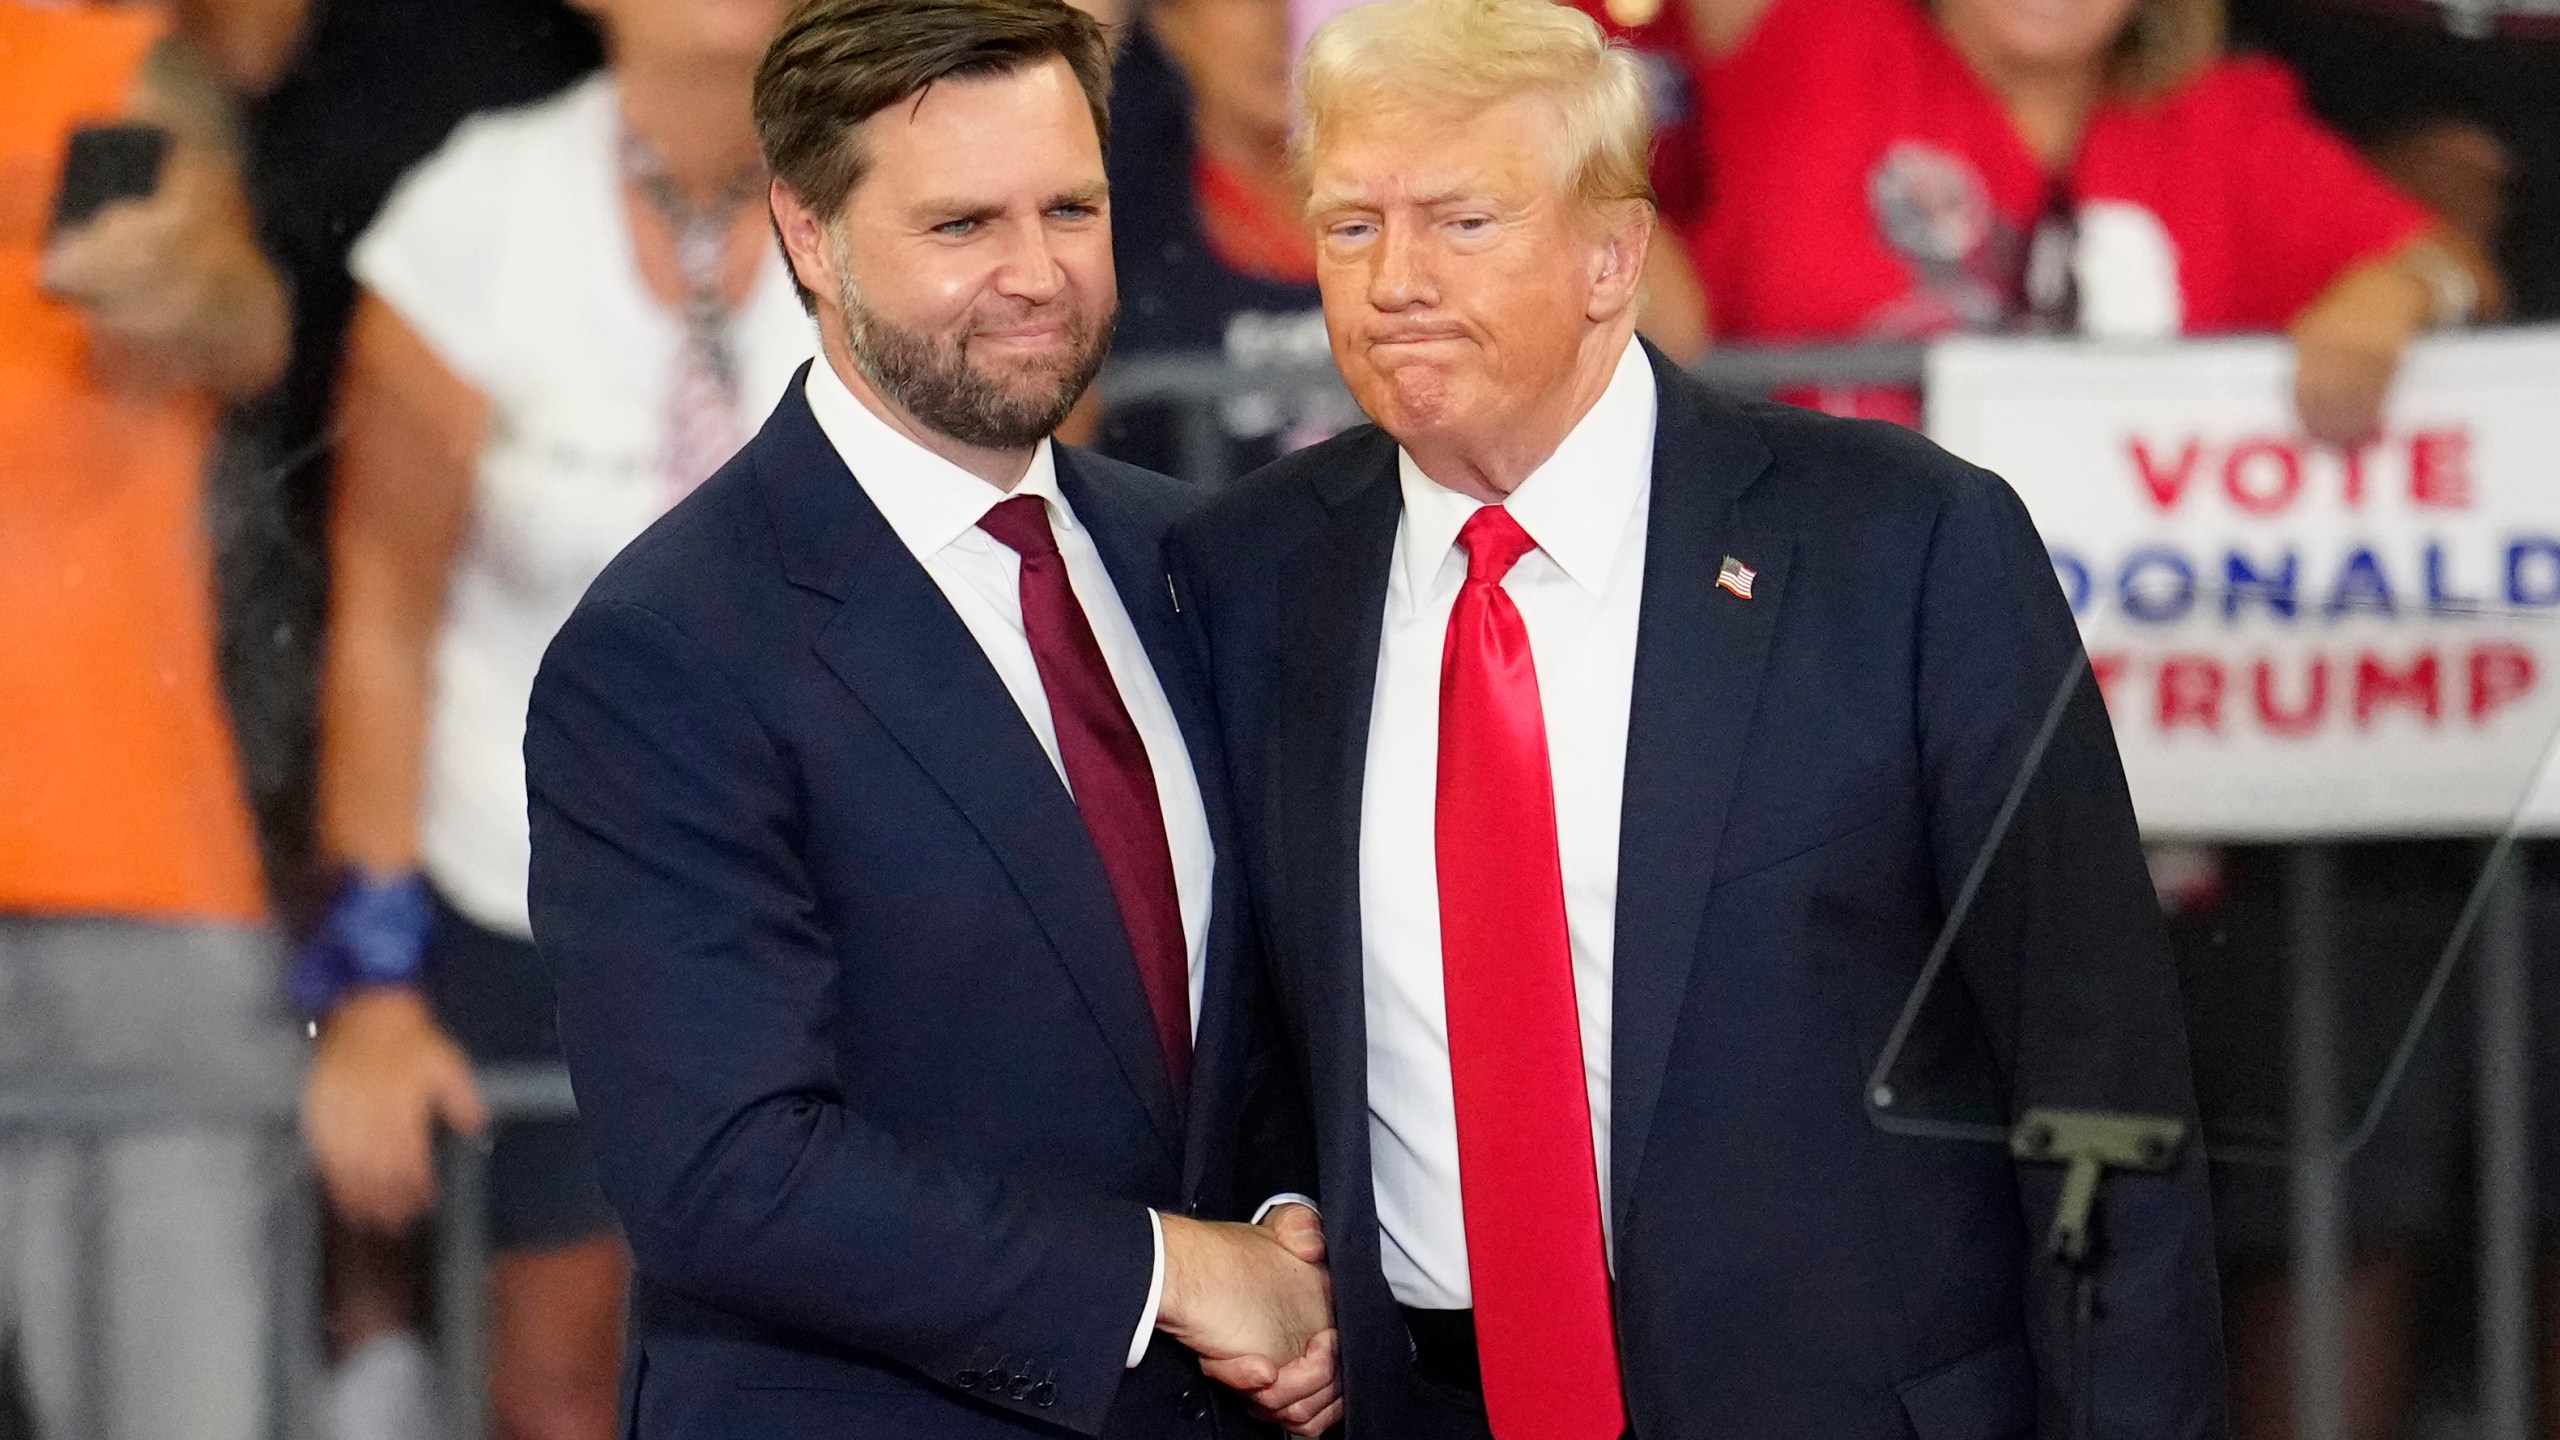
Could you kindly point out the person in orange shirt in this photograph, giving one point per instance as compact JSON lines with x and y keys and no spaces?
{"x":134,"y":941}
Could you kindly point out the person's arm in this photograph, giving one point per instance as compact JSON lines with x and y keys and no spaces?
{"x":1276,"y":1167}
{"x":1276,"y":1149}
{"x":697,"y":992}
{"x":173,"y":286}
{"x":2348,"y":342}
{"x":409,"y":434}
{"x":2329,"y":250}
{"x":2064,"y":954}
{"x":248,"y":42}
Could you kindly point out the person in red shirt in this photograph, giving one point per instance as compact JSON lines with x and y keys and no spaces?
{"x":1889,"y":170}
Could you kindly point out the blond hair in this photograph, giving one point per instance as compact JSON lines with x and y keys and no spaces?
{"x":1449,"y":59}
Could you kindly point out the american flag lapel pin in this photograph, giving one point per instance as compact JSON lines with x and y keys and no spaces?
{"x":1735,"y":576}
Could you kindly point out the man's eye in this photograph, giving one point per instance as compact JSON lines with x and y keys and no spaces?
{"x":1472,"y":224}
{"x":1075,"y":212}
{"x":1351,"y":230}
{"x":956,"y":228}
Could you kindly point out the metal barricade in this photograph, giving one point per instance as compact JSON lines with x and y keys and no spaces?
{"x":88,"y":1115}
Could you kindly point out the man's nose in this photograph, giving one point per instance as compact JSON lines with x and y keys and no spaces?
{"x":1030,"y":269}
{"x":1397,"y":276}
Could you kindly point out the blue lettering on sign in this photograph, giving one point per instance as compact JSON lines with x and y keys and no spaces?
{"x":2529,"y":582}
{"x":2073,"y":572}
{"x":2160,"y":584}
{"x":2244,"y":581}
{"x":2157,"y":586}
{"x":2440,"y":597}
{"x":2361,"y":586}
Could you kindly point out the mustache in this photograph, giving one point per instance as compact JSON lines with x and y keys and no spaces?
{"x":1076,"y":319}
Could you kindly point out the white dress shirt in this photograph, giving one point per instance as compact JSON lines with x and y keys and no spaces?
{"x":935,"y":506}
{"x":1580,"y":593}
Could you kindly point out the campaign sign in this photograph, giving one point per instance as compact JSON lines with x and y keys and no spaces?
{"x":2296,"y":640}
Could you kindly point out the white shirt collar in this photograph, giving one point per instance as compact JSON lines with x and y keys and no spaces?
{"x":1575,"y":505}
{"x":926,"y":499}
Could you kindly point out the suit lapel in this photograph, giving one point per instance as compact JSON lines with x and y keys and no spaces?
{"x":1131,"y":546}
{"x":899,"y":647}
{"x":1336,"y":603}
{"x":1700,"y":651}
{"x":1132,"y":550}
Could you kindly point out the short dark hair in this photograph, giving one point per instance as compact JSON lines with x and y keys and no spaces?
{"x":839,"y":62}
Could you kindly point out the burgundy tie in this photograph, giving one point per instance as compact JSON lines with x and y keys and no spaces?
{"x":1107,"y":768}
{"x":1528,"y":1184}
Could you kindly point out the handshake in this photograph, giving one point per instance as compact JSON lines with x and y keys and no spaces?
{"x":1256,"y":1304}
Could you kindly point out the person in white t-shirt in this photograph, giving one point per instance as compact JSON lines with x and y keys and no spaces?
{"x":569,"y":315}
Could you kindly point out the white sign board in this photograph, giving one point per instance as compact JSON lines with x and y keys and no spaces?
{"x":2296,"y":641}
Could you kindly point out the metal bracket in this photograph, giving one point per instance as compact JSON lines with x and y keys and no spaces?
{"x":2092,"y":1142}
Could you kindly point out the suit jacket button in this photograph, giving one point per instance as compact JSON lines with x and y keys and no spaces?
{"x":1020,"y":1389}
{"x":1044,"y":1394}
{"x":968,"y":1379}
{"x":1194,"y":1403}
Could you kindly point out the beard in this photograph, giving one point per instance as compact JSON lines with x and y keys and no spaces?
{"x":929,"y":374}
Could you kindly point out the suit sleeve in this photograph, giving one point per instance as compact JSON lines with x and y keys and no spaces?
{"x":2063,"y":951}
{"x":696,"y":1000}
{"x":1276,"y":1152}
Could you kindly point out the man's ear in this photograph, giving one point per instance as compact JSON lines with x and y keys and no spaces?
{"x":1617,"y":261}
{"x":804,"y":240}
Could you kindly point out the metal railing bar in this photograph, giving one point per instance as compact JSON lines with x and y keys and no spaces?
{"x":513,"y":1092}
{"x":1205,"y":375}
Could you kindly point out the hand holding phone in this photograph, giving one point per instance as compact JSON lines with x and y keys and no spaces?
{"x":146,"y":249}
{"x":105,"y":164}
{"x":152,"y":242}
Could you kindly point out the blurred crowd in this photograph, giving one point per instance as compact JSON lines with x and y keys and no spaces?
{"x":342,"y":342}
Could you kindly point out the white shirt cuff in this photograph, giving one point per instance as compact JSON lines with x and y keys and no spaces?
{"x":1155,"y":1296}
{"x":1286,"y":1198}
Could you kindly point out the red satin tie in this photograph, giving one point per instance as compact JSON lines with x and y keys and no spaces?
{"x":1530,"y":1187}
{"x":1107,"y":768}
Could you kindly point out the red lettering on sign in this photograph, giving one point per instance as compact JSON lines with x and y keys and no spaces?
{"x":2262,"y":476}
{"x":2191,"y":692}
{"x":2104,"y":668}
{"x":2295,"y":698}
{"x":2302,"y":719}
{"x":2377,"y":685}
{"x":2165,"y":485}
{"x":2500,"y":675}
{"x":2352,"y":458}
{"x":2440,"y":468}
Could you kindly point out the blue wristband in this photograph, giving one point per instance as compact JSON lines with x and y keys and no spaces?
{"x":375,"y":933}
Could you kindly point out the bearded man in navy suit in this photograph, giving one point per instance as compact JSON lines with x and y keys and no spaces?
{"x":881,"y":842}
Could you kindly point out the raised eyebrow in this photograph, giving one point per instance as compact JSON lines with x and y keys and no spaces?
{"x":1093,"y":194}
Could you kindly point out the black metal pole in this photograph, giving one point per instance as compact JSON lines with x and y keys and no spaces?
{"x":2318,"y":1239}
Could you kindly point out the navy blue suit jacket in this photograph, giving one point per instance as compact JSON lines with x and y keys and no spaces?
{"x":1809,"y":774}
{"x":846,"y":998}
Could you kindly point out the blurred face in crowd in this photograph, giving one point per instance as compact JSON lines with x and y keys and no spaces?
{"x":731,"y":32}
{"x":2036,"y":36}
{"x":1468,"y":290}
{"x":1234,"y":55}
{"x":969,"y":273}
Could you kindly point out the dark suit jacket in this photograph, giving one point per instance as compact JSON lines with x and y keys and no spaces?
{"x":849,"y":1006}
{"x":1809,"y":774}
